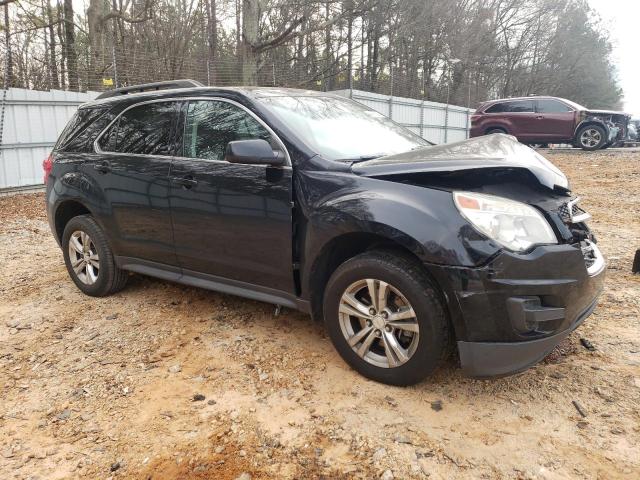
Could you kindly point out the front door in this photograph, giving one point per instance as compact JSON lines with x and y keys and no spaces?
{"x":555,"y":120}
{"x":131,"y":169}
{"x":230,"y":221}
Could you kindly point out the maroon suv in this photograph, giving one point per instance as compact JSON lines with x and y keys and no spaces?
{"x":543,"y":120}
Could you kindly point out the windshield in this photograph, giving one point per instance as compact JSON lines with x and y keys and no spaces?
{"x":340,"y":129}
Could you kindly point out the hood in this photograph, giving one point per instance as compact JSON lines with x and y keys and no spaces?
{"x":490,"y":151}
{"x":606,"y":112}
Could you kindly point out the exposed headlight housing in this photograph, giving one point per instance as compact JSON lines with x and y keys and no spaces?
{"x":515,"y":225}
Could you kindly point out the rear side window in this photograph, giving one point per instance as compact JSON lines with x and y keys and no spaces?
{"x":82,"y":130}
{"x":144,"y":130}
{"x":516,"y":106}
{"x":552,"y":106}
{"x":497,"y":108}
{"x":211,"y":124}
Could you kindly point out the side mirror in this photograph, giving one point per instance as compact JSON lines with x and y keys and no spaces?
{"x":253,"y":152}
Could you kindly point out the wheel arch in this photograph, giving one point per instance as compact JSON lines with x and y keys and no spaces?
{"x":343,"y":247}
{"x":496,"y":127}
{"x":65,"y":211}
{"x":590,"y":122}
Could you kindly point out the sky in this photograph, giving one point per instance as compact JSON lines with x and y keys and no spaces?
{"x":622,"y":19}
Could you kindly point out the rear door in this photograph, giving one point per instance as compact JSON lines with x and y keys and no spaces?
{"x":517,"y":115}
{"x":555,"y":120}
{"x":230,"y":221}
{"x":131,"y":169}
{"x":521,"y":115}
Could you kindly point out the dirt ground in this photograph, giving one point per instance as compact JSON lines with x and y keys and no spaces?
{"x":106,"y":388}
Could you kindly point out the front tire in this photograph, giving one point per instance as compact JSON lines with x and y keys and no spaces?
{"x":493,"y":131}
{"x":89,"y":258}
{"x":385,"y":318}
{"x":591,"y":137}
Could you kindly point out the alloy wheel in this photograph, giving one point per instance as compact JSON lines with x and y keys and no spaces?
{"x":590,"y":138}
{"x":84,"y":258}
{"x":378,"y":323}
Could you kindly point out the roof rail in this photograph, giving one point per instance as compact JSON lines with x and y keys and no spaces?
{"x":147,"y":87}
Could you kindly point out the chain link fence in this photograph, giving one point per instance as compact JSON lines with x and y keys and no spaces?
{"x":119,"y":67}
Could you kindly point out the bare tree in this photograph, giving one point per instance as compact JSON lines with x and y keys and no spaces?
{"x":462,"y":51}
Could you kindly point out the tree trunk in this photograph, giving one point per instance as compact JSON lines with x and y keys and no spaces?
{"x":61,"y":41}
{"x":375,"y":59}
{"x":250,"y":22}
{"x":9,"y":81}
{"x":328,"y":61}
{"x":52,"y":48}
{"x":238,"y":40}
{"x":212,"y":30}
{"x":70,"y":45}
{"x":369,"y":54}
{"x":95,"y":21}
{"x":350,"y":46}
{"x":301,"y":68}
{"x":362,"y":84}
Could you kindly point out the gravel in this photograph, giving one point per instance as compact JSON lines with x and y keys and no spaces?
{"x":90,"y":380}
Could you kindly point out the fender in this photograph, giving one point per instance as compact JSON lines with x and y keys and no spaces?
{"x":423,"y":220}
{"x":592,"y":120}
{"x":73,"y":185}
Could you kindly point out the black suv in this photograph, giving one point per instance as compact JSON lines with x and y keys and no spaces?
{"x":311,"y":201}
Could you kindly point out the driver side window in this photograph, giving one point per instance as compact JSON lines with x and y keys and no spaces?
{"x":211,"y":124}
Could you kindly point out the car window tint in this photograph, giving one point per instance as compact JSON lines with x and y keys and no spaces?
{"x":107,"y":141}
{"x":552,"y":106}
{"x":521,"y":106}
{"x":497,"y":108}
{"x":210,"y":125}
{"x":517,"y":106}
{"x":145,"y":129}
{"x":83,"y":129}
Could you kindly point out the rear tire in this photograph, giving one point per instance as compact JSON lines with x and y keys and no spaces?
{"x":408,"y":314}
{"x":591,"y":137}
{"x":89,"y":258}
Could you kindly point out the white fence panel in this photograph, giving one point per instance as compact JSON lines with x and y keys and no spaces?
{"x":32,"y":122}
{"x":437,"y":122}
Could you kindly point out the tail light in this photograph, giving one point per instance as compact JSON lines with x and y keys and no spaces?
{"x":47,"y":165}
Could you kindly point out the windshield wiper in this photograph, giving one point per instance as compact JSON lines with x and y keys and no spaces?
{"x":364,"y":158}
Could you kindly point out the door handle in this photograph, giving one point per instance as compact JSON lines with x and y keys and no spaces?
{"x":187,"y":182}
{"x":104,"y":167}
{"x":540,"y":117}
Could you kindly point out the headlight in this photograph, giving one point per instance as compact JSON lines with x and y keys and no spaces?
{"x":513,"y":224}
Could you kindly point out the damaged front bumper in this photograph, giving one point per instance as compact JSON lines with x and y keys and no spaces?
{"x":495,"y":359}
{"x":512,"y":312}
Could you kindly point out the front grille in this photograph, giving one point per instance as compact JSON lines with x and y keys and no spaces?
{"x":571,"y":213}
{"x":565,"y":214}
{"x":588,"y":253}
{"x":593,"y":259}
{"x":574,"y":217}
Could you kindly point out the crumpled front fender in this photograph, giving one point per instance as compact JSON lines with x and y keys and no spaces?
{"x":423,"y":220}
